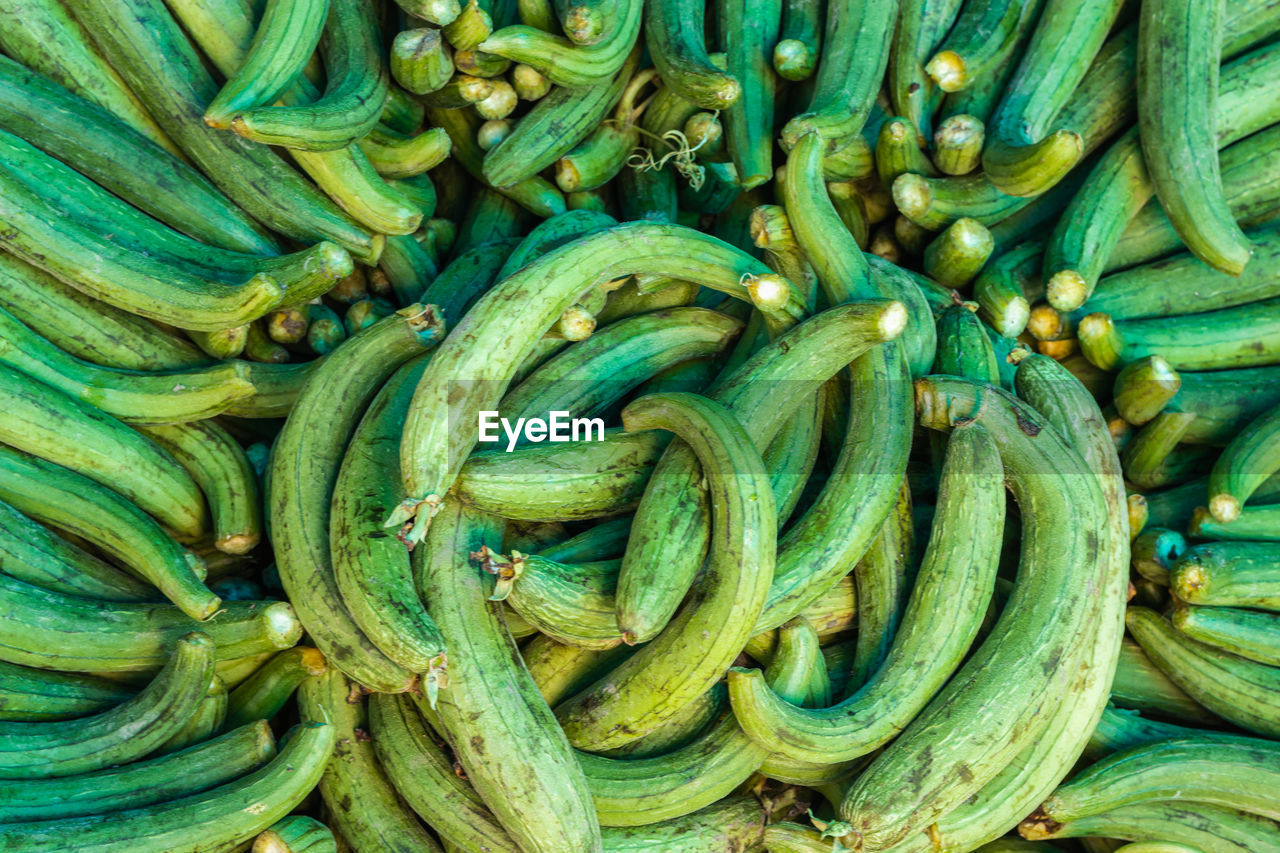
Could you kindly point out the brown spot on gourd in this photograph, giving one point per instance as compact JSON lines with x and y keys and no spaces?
{"x":1027,"y":426}
{"x":921,"y":772}
{"x":477,"y":745}
{"x":1050,"y":663}
{"x":589,"y":702}
{"x":1091,"y":540}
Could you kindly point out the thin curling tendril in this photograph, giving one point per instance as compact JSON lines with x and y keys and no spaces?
{"x":681,"y":157}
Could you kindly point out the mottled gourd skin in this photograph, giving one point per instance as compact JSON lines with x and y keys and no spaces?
{"x":855,"y":54}
{"x":359,"y":800}
{"x":122,"y":734}
{"x":1024,"y":155}
{"x":503,"y":733}
{"x":1066,"y":561}
{"x":356,"y":87}
{"x":149,"y":50}
{"x":1119,"y":185}
{"x":1179,"y":44}
{"x":957,"y":568}
{"x":269,"y":271}
{"x":306,"y":463}
{"x":284,"y":40}
{"x":672,"y":521}
{"x":674,"y":34}
{"x":557,"y":123}
{"x":1192,"y":825}
{"x":153,"y":780}
{"x":1239,"y":690}
{"x":703,"y":639}
{"x":421,"y":768}
{"x":508,"y":321}
{"x":630,"y":791}
{"x":1245,"y":464}
{"x":1242,"y":336}
{"x":223,"y":817}
{"x":119,"y":157}
{"x":1248,"y":633}
{"x":1233,"y":771}
{"x":564,"y":63}
{"x":1030,"y":775}
{"x":371,"y":568}
{"x":921,"y":25}
{"x":1228,"y":574}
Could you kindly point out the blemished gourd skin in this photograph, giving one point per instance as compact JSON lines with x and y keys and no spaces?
{"x":147,"y":47}
{"x":1194,"y":825}
{"x":1228,"y":771}
{"x":511,"y":324}
{"x":506,"y":739}
{"x":362,"y":805}
{"x":286,"y":36}
{"x":223,"y":816}
{"x":422,"y":771}
{"x":220,"y":467}
{"x":1247,"y":633}
{"x":856,"y":47}
{"x":372,"y":571}
{"x":913,"y":93}
{"x":47,"y":39}
{"x":1228,"y":574}
{"x":1235,"y":688}
{"x":1120,"y":185}
{"x":622,"y":426}
{"x":957,"y":568}
{"x":142,"y":783}
{"x":557,"y":123}
{"x":674,"y":668}
{"x":674,"y":33}
{"x":116,"y":736}
{"x":1036,"y":770}
{"x":563,"y":62}
{"x":672,"y":514}
{"x":1023,"y":441}
{"x":1177,"y":58}
{"x":1024,"y":154}
{"x":1245,"y":464}
{"x":305,"y":464}
{"x":118,"y":156}
{"x":352,"y":100}
{"x":52,"y":426}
